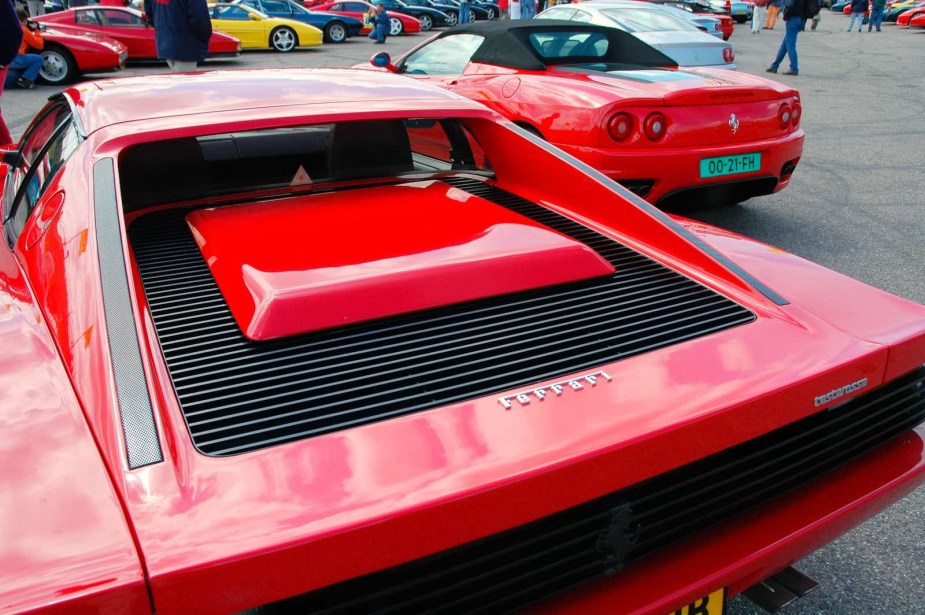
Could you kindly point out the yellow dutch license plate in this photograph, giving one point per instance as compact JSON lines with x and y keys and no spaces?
{"x":714,"y":604}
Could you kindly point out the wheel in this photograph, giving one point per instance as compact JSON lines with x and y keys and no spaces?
{"x":335,"y":32}
{"x":58,"y":65}
{"x":396,"y":27}
{"x":427,"y":22}
{"x":491,"y":12}
{"x":283,"y":39}
{"x":452,"y":18}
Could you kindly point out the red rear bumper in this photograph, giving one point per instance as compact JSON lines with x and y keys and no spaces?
{"x":674,"y":169}
{"x":756,"y":545}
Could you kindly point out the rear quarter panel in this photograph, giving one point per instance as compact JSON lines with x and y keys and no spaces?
{"x":65,"y":545}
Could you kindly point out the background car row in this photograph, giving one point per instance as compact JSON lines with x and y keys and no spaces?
{"x":100,"y":38}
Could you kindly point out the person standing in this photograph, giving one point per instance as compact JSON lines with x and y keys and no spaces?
{"x":527,"y":9}
{"x":182,"y":30}
{"x":774,"y":7}
{"x":758,"y":15}
{"x":876,"y":14}
{"x":380,"y":22}
{"x":858,"y":10}
{"x":24,"y":68}
{"x":10,"y":38}
{"x":464,"y":11}
{"x":794,"y":22}
{"x":36,"y":7}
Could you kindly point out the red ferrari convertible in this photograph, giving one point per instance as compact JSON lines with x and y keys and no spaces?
{"x":675,"y":137}
{"x":341,"y":341}
{"x":131,"y":28}
{"x":399,"y":23}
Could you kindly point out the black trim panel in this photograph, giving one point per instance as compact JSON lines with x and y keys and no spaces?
{"x":138,"y":426}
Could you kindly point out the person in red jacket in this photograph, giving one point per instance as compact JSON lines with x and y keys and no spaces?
{"x":24,"y":68}
{"x":10,"y":38}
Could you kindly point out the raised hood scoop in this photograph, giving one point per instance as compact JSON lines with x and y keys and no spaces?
{"x":328,"y":260}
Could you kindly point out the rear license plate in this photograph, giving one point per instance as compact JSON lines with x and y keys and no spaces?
{"x":730,"y":165}
{"x":714,"y":604}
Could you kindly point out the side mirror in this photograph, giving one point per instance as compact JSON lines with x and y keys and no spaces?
{"x":383,"y":60}
{"x":254,"y":16}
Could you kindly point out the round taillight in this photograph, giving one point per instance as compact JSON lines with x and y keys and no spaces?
{"x":796,"y":114}
{"x":783,"y":116}
{"x":655,"y":126}
{"x":728,"y":54}
{"x":620,"y":126}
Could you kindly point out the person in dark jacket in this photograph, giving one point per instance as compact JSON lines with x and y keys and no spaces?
{"x":10,"y":39}
{"x":794,"y":22}
{"x":858,"y":10}
{"x":182,"y":30}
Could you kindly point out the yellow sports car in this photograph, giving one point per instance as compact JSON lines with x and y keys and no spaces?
{"x":259,"y":31}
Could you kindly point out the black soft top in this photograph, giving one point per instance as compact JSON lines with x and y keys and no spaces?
{"x":507,"y":43}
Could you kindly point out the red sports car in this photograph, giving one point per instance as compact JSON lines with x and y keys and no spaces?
{"x":68,"y":53}
{"x":675,"y":137}
{"x":129,"y":27}
{"x":918,"y":21}
{"x":342,"y":341}
{"x":906,"y":18}
{"x":399,"y":23}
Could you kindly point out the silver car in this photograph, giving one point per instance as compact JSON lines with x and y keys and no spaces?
{"x":673,"y":35}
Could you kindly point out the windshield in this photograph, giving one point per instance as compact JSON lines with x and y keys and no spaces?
{"x":647,"y":20}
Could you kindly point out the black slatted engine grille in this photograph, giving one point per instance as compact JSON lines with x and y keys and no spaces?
{"x":239,"y":395}
{"x":514,"y":568}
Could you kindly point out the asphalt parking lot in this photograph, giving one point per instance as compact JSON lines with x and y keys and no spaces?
{"x":855,"y":204}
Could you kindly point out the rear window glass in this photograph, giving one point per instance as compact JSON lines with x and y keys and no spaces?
{"x":646,"y":20}
{"x":200,"y":167}
{"x":553,"y":45}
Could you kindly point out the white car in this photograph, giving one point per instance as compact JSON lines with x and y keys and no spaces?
{"x":659,"y":26}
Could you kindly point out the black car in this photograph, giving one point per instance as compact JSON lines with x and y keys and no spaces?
{"x":479,"y":10}
{"x":451,"y":10}
{"x":428,"y":17}
{"x":336,"y":28}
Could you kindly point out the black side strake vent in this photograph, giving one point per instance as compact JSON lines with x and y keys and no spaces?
{"x":239,"y":395}
{"x":514,"y":568}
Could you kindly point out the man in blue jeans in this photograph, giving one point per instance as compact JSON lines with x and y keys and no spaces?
{"x":876,"y":14}
{"x":24,"y":68}
{"x":794,"y":21}
{"x":464,"y":11}
{"x":380,"y":22}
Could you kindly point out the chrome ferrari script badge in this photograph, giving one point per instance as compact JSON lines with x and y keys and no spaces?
{"x":734,"y":123}
{"x":576,"y":384}
{"x":840,"y":392}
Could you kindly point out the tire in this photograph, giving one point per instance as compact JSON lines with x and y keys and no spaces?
{"x":58,"y":65}
{"x":452,"y":18}
{"x":427,"y":22}
{"x":335,"y":32}
{"x":283,"y":39}
{"x":396,"y":27}
{"x":491,"y":13}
